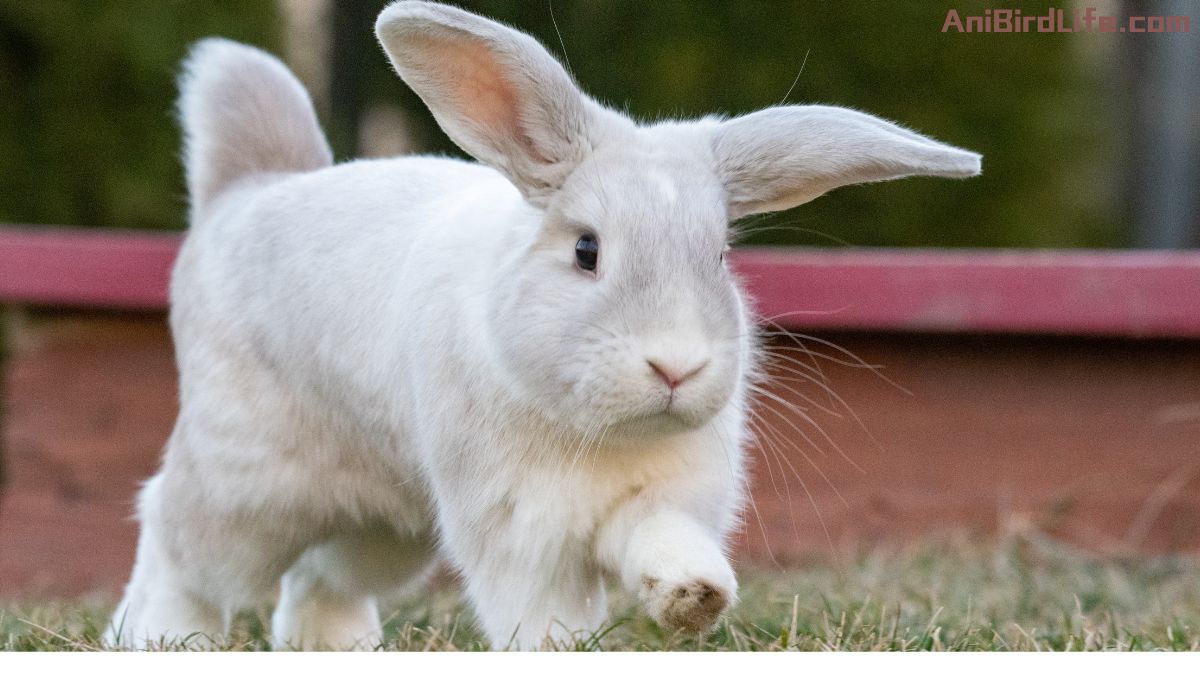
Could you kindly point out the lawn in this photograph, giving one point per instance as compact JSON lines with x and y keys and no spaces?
{"x":948,"y":594}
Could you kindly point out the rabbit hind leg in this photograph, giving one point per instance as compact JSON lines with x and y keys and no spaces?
{"x":328,"y":598}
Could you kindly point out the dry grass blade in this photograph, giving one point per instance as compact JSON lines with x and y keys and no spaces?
{"x":950,"y":593}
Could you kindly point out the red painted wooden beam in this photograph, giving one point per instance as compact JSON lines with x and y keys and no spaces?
{"x":1115,"y":293}
{"x":86,"y":267}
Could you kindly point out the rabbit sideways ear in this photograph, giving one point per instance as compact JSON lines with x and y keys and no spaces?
{"x":785,"y":156}
{"x":495,"y":91}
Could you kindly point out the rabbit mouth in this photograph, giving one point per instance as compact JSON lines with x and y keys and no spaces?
{"x":670,"y":410}
{"x":651,"y":426}
{"x":667,"y":420}
{"x":675,"y":410}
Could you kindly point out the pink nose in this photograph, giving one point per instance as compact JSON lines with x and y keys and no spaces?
{"x":674,"y":375}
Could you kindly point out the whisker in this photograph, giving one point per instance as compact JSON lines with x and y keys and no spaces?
{"x":762,"y":432}
{"x":805,"y":436}
{"x":797,"y":411}
{"x":803,"y":312}
{"x":813,"y":502}
{"x":838,"y":448}
{"x":796,"y":472}
{"x":857,"y":360}
{"x":780,"y":381}
{"x":874,"y":367}
{"x":741,"y":233}
{"x":759,"y":434}
{"x":782,"y":355}
{"x":833,"y":395}
{"x":762,"y":529}
{"x":808,"y":352}
{"x":566,"y":59}
{"x":797,"y":80}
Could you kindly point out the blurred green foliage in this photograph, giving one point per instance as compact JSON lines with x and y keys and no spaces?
{"x":91,"y":139}
{"x":87,"y":128}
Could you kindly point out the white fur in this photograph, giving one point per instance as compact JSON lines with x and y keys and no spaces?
{"x":384,"y":362}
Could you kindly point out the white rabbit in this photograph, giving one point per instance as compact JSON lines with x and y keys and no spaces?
{"x":535,"y":366}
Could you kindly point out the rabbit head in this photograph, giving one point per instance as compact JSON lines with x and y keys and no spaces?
{"x":615,"y":308}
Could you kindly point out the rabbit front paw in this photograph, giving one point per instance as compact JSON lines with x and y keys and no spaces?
{"x":693,"y":605}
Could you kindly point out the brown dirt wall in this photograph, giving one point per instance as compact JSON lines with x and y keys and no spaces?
{"x":1096,"y":443}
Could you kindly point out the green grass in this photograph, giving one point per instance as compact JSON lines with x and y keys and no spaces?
{"x":950,"y":594}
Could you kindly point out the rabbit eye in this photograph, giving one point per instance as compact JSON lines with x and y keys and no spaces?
{"x":587,"y":250}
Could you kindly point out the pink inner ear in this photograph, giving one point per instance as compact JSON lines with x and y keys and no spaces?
{"x":478,"y":89}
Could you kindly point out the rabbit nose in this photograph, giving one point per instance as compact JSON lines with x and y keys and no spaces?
{"x":675,"y":374}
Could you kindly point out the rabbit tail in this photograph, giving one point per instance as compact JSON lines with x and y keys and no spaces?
{"x":243,"y":113}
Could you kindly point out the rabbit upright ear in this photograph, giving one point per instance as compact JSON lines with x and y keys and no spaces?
{"x":785,"y":156}
{"x":495,"y":91}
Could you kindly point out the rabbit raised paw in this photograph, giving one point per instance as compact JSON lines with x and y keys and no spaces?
{"x":535,"y":366}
